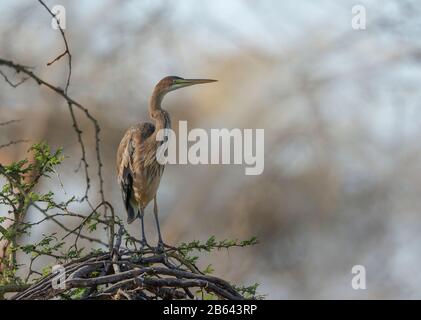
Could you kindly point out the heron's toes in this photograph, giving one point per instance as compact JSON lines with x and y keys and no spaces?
{"x":162,"y":247}
{"x":145,"y":245}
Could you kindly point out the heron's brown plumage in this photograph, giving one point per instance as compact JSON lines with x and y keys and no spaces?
{"x":138,"y":170}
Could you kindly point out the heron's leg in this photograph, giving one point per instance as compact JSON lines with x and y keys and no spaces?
{"x":155,"y":213}
{"x":161,"y":244}
{"x":144,"y":242}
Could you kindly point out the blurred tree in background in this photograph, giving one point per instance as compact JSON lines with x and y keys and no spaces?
{"x":340,"y":109}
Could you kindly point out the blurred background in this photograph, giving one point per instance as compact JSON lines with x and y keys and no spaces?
{"x":340,"y":108}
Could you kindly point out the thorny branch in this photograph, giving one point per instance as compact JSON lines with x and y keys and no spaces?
{"x":18,"y":221}
{"x":22,"y":193}
{"x":71,"y":102}
{"x":70,"y":106}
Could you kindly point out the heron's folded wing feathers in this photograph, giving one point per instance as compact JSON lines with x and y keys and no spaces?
{"x":130,"y":147}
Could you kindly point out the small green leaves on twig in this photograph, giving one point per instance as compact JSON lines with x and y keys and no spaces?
{"x":212,"y":244}
{"x":18,"y":194}
{"x":250,"y":292}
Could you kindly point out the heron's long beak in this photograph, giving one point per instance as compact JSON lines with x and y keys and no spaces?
{"x":189,"y":82}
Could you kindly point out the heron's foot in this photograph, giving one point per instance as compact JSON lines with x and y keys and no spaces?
{"x":144,"y":244}
{"x":162,"y":246}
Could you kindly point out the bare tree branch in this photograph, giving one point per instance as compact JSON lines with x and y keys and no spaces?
{"x":71,"y":102}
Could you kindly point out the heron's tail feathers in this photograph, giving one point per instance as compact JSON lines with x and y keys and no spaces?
{"x":132,"y":213}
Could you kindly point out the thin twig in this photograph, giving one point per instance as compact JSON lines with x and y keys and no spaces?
{"x":66,"y":45}
{"x":9,"y":122}
{"x":20,"y":68}
{"x":14,"y":85}
{"x":12,"y":143}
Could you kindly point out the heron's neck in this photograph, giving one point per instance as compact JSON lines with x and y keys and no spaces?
{"x":160,"y":116}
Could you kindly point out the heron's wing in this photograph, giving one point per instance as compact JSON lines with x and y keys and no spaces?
{"x":131,"y":144}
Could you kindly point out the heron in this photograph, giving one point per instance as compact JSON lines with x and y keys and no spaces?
{"x":138,"y":171}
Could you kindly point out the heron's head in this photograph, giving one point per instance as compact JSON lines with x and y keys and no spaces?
{"x":171,"y":83}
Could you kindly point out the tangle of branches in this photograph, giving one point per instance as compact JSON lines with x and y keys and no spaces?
{"x":142,"y":274}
